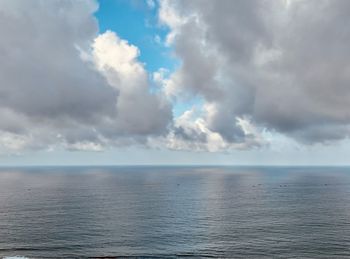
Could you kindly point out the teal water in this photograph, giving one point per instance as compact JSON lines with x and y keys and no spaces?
{"x":226,"y":212}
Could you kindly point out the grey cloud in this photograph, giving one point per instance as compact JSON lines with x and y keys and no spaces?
{"x":190,"y":134}
{"x":41,"y":72}
{"x":285,"y":67}
{"x":51,"y":91}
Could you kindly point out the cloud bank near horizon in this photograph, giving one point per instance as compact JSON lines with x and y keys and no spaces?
{"x":262,"y":69}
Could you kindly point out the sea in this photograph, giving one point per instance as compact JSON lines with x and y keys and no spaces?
{"x":174,"y":212}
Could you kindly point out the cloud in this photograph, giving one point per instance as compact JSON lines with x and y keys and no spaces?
{"x":261,"y":67}
{"x":62,"y":84}
{"x":284,"y":65}
{"x":139,"y":112}
{"x":42,"y":75}
{"x":191,"y":132}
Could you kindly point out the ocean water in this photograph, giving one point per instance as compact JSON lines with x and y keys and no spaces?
{"x":225,"y":212}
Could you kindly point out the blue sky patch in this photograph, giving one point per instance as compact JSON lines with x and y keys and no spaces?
{"x":137,"y":23}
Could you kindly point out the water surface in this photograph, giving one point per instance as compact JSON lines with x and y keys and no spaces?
{"x":240,"y":212}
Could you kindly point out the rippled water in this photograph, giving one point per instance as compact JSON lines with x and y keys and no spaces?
{"x":175,"y":211}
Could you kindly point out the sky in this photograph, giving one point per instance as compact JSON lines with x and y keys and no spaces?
{"x":117,"y":82}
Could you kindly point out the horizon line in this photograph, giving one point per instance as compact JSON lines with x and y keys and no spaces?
{"x":174,"y":165}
